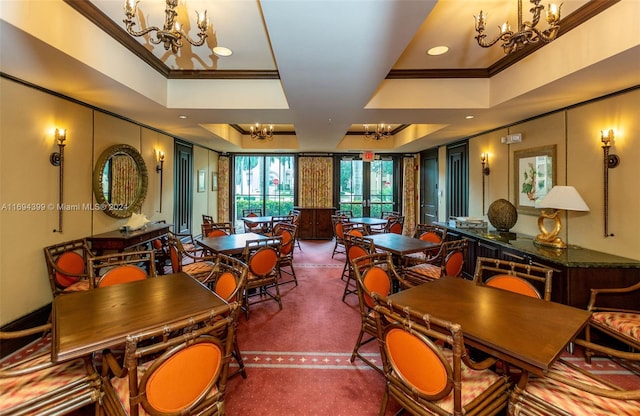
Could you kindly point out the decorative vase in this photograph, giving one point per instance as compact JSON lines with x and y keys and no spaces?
{"x":502,"y":215}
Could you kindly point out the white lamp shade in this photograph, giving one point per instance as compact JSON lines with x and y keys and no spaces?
{"x":563,"y":197}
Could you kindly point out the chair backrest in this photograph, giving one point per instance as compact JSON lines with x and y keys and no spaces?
{"x":354,"y":229}
{"x":207,"y":219}
{"x":358,"y":246}
{"x":413,"y":361}
{"x":374,"y":272}
{"x":288,"y":232}
{"x":431,"y":233}
{"x":67,"y":263}
{"x":395,"y":225}
{"x":230,"y":278}
{"x":389,"y":214}
{"x":276,"y":220}
{"x":262,"y":256}
{"x":338,"y":226}
{"x":526,"y":279}
{"x":217,"y":229}
{"x":116,"y":268}
{"x":254,"y":212}
{"x":455,"y":254}
{"x":186,"y":354}
{"x":344,"y":213}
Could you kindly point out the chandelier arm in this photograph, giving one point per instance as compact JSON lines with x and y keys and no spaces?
{"x":143,"y":32}
{"x":201,"y":35}
{"x":502,"y":36}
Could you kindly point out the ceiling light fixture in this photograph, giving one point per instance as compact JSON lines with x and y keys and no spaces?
{"x":381,"y":132}
{"x":261,"y":133}
{"x":171,"y":34}
{"x":222,"y":51}
{"x":527,"y":31}
{"x":438,"y":50}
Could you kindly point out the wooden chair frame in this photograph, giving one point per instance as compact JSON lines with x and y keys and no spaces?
{"x":262,"y":281}
{"x":286,"y":250}
{"x":52,"y":254}
{"x":535,"y":276}
{"x":161,"y":344}
{"x":225,"y":227}
{"x":338,"y":223}
{"x":257,"y":228}
{"x":526,"y":400}
{"x":143,"y":260}
{"x":207,"y":219}
{"x":296,"y":221}
{"x":433,"y":333}
{"x":441,"y":260}
{"x":344,"y":213}
{"x":611,"y":293}
{"x":361,"y":268}
{"x":30,"y":372}
{"x":179,"y":254}
{"x":355,"y":246}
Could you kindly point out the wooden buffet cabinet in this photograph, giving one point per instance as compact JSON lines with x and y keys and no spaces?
{"x":576,"y":270}
{"x":315,"y":223}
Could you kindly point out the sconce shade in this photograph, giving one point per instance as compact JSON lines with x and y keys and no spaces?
{"x":563,"y":197}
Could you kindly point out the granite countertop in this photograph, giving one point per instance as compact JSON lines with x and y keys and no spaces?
{"x":573,"y":256}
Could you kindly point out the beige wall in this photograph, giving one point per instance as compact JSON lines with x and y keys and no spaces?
{"x":27,"y":120}
{"x":579,"y":163}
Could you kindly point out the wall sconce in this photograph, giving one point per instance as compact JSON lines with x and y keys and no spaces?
{"x":610,"y":162}
{"x":485,"y":172}
{"x":57,"y":159}
{"x":160,"y":169}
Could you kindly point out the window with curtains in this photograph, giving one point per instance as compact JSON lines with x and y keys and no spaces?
{"x":265,"y":182}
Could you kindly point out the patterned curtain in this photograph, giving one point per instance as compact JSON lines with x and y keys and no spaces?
{"x":124,"y":179}
{"x":409,"y":195}
{"x":223,"y":189}
{"x":315,"y":174}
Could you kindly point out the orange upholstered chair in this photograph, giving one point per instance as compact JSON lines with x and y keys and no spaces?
{"x":289,"y":234}
{"x":263,"y":258}
{"x":34,"y":385}
{"x":514,"y":277}
{"x":116,"y":268}
{"x":432,"y":233}
{"x":217,"y":229}
{"x":357,"y":246}
{"x":67,"y":266}
{"x":449,"y":261}
{"x":374,"y":273}
{"x":196,"y":264}
{"x":172,"y":369}
{"x":339,"y":223}
{"x":427,"y":369}
{"x":254,"y":228}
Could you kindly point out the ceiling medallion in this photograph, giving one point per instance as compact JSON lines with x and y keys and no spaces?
{"x":381,"y":132}
{"x":527,"y":31}
{"x":171,"y":34}
{"x":261,"y":133}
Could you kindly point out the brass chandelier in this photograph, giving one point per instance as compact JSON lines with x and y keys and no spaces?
{"x":171,"y":34}
{"x":258,"y":132}
{"x":381,"y":132}
{"x":527,"y":32}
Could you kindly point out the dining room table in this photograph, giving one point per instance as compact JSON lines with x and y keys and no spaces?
{"x":401,"y":245}
{"x":231,"y":245}
{"x":525,"y":332}
{"x":89,"y":321}
{"x":368,"y":222}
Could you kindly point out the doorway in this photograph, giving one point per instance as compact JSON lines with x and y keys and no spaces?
{"x":183,"y":220}
{"x":430,"y":187}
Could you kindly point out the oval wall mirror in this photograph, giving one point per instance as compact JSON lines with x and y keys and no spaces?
{"x":120,"y":181}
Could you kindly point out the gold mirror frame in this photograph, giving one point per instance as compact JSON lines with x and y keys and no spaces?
{"x":108,"y":208}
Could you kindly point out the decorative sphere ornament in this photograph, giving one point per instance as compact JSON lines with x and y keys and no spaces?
{"x":502,"y":215}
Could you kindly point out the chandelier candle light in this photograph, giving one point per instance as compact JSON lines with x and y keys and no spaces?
{"x":171,"y":34}
{"x":261,"y":133}
{"x":527,"y":32}
{"x":382,"y":131}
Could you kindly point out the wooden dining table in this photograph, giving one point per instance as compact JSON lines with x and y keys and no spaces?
{"x":90,"y":321}
{"x":526,"y":332}
{"x":232,"y":244}
{"x":401,"y":245}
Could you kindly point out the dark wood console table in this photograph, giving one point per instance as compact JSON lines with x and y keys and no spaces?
{"x":121,"y":240}
{"x":576,"y":270}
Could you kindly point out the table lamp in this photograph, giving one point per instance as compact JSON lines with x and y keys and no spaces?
{"x":560,"y":197}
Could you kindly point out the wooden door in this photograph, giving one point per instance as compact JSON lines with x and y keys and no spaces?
{"x":429,"y":187}
{"x":183,"y":188}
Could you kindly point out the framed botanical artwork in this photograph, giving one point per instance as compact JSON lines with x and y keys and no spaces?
{"x":534,"y":176}
{"x":214,"y":181}
{"x":202,"y":180}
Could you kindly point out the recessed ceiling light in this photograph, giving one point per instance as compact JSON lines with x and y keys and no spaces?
{"x":182,"y":116}
{"x":469,"y":117}
{"x":437,"y":50}
{"x":222,"y":51}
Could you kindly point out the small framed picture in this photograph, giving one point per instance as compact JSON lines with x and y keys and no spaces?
{"x":202,"y":180}
{"x":214,"y":181}
{"x":535,"y":175}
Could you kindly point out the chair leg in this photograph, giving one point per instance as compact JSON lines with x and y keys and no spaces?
{"x":292,"y":274}
{"x":238,"y":356}
{"x":348,"y":288}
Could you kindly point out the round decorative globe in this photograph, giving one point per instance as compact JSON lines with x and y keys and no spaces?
{"x":502,"y":215}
